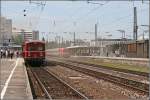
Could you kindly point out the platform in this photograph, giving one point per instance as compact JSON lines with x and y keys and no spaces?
{"x":14,"y":80}
{"x":124,"y":60}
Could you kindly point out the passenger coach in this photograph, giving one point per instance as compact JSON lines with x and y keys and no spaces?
{"x":34,"y":52}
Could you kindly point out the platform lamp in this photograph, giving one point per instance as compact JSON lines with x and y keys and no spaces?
{"x":123,"y":37}
{"x":145,"y":31}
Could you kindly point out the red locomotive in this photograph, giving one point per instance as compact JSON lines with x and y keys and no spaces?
{"x":34,"y":52}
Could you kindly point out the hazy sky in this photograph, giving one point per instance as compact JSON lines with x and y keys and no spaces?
{"x":78,"y":16}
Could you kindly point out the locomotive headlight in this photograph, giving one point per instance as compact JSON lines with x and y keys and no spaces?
{"x":29,"y":54}
{"x":41,"y":54}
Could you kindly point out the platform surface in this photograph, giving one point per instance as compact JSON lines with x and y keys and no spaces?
{"x":14,"y":81}
{"x":117,"y":58}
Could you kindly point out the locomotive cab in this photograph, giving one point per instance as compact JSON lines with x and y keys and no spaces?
{"x":34,"y":52}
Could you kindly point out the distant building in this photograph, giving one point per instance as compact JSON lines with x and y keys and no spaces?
{"x":5,"y":30}
{"x":105,"y":42}
{"x":138,"y":49}
{"x":27,"y":35}
{"x":35,"y":35}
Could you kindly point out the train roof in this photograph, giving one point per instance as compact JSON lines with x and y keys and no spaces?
{"x":31,"y":41}
{"x":76,"y":46}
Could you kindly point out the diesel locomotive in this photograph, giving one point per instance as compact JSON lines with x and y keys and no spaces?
{"x":33,"y":52}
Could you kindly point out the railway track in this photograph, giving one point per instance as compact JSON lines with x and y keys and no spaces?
{"x":38,"y":89}
{"x":104,"y":67}
{"x":128,"y":83}
{"x":116,"y":69}
{"x":137,"y":77}
{"x":53,"y":86}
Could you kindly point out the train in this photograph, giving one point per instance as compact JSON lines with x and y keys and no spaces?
{"x":131,"y":49}
{"x":33,"y":52}
{"x":63,"y":52}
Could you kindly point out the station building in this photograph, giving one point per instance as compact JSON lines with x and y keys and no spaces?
{"x":5,"y":30}
{"x":113,"y":48}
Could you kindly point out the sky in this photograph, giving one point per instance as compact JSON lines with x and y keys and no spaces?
{"x":62,"y":18}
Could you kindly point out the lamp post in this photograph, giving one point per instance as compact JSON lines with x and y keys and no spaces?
{"x":108,"y":35}
{"x":145,"y":31}
{"x":129,"y":36}
{"x":145,"y":25}
{"x":74,"y":34}
{"x":122,"y":49}
{"x":102,"y":43}
{"x":123,"y":33}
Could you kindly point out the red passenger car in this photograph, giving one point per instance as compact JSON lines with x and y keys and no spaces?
{"x":34,"y":52}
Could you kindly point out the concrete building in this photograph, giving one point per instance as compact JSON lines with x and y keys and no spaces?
{"x":5,"y":30}
{"x":35,"y":35}
{"x":27,"y":35}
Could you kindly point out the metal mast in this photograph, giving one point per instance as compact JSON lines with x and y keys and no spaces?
{"x":135,"y":27}
{"x":95,"y":34}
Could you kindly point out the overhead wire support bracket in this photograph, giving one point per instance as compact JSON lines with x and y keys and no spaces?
{"x":90,"y":1}
{"x":42,"y":4}
{"x":95,"y":3}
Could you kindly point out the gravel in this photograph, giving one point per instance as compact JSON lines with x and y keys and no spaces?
{"x":95,"y":88}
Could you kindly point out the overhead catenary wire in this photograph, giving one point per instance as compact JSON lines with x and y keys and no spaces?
{"x":82,"y":17}
{"x":42,"y":4}
{"x":39,"y":16}
{"x":119,"y":19}
{"x":71,"y":15}
{"x":114,"y":22}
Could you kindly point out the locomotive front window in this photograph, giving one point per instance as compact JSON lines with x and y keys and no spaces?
{"x":36,"y":47}
{"x":40,"y":48}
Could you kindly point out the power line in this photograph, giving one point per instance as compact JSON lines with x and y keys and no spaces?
{"x":83,"y":17}
{"x":101,"y":5}
{"x":117,"y":20}
{"x":95,"y":3}
{"x":42,"y":9}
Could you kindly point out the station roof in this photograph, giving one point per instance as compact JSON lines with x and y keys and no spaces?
{"x":76,"y":46}
{"x":13,"y":46}
{"x":34,"y":41}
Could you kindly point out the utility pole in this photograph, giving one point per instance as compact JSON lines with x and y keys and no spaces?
{"x":135,"y":27}
{"x":59,"y":41}
{"x":62,"y":41}
{"x":95,"y":34}
{"x":74,"y":34}
{"x":149,"y":37}
{"x":122,"y":42}
{"x":74,"y":37}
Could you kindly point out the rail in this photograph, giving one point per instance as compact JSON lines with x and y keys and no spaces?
{"x":109,"y":68}
{"x":37,"y":85}
{"x":141,"y":87}
{"x":54,"y":87}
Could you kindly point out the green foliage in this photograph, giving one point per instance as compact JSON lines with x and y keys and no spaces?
{"x":43,"y":39}
{"x":54,"y":44}
{"x":18,"y":39}
{"x":115,"y":47}
{"x":118,"y":65}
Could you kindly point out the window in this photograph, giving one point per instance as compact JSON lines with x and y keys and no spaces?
{"x":36,"y":47}
{"x":132,"y":47}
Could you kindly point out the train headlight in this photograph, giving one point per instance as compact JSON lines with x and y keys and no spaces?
{"x":41,"y":54}
{"x":29,"y":54}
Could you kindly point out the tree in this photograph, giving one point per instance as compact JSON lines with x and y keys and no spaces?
{"x":115,"y":47}
{"x":18,"y":39}
{"x":43,"y":39}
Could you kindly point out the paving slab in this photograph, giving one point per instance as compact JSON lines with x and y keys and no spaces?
{"x":14,"y":80}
